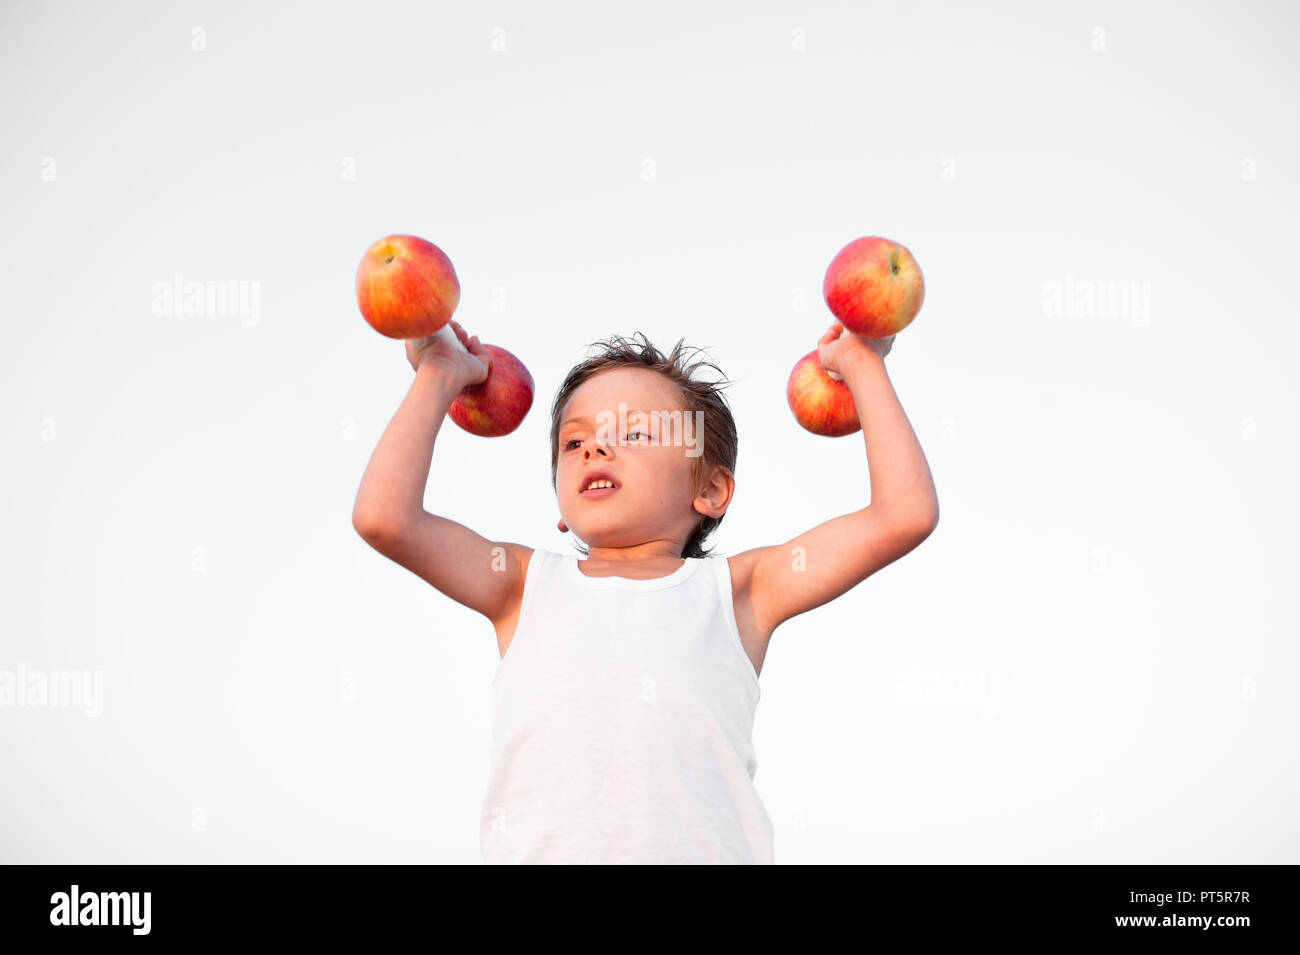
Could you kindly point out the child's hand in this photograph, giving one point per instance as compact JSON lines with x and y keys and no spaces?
{"x":837,"y":342}
{"x":467,"y":369}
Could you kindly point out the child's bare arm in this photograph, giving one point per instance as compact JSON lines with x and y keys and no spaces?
{"x":389,"y":513}
{"x":784,"y":580}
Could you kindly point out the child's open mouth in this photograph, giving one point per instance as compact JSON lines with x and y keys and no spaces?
{"x":598,"y":482}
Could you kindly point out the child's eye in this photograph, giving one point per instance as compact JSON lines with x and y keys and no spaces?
{"x":641,"y":433}
{"x":568,"y":445}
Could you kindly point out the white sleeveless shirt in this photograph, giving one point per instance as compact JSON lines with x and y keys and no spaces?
{"x":622,"y":723}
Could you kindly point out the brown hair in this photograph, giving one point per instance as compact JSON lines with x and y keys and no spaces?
{"x":719,"y":436}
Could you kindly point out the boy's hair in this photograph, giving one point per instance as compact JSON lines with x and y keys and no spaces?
{"x":719,"y":438}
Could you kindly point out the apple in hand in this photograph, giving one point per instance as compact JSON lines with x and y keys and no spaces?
{"x":406,"y":287}
{"x":874,"y":287}
{"x":496,"y":405}
{"x":821,"y":403}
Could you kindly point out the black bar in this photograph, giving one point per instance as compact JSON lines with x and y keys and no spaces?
{"x":213,"y":904}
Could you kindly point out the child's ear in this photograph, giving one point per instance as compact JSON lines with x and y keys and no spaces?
{"x":717,"y":494}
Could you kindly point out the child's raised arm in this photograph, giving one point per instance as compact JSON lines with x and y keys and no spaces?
{"x":389,"y":513}
{"x":781,"y":581}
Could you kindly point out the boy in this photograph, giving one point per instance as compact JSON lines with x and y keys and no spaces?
{"x":624,"y":699}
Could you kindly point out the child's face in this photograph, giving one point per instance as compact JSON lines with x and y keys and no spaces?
{"x":649,"y":464}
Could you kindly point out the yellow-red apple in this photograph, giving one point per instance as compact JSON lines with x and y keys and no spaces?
{"x":821,"y":403}
{"x":874,"y":287}
{"x":406,"y":287}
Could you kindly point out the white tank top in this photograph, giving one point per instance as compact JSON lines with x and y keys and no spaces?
{"x":622,"y":723}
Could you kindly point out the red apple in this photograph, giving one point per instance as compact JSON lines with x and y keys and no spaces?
{"x":874,"y":287}
{"x":496,"y":405}
{"x":821,"y":404}
{"x":406,"y":287}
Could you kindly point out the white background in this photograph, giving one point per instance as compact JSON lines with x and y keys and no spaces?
{"x":1091,"y":660}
